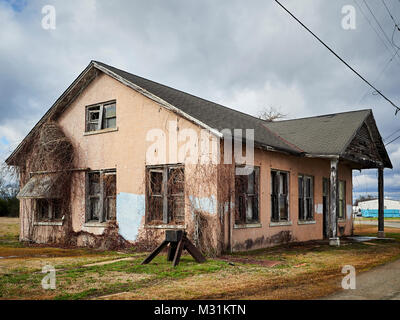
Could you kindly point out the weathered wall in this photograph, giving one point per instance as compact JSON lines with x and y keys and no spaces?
{"x":267,"y":233}
{"x":125,"y":149}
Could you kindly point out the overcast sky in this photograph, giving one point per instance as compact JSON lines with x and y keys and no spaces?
{"x":245,"y":55}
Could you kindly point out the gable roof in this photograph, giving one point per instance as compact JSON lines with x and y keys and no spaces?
{"x":331,"y":134}
{"x":214,"y":115}
{"x":312,"y":136}
{"x":324,"y":135}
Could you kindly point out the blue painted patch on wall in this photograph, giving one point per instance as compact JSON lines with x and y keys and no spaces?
{"x":130,"y":212}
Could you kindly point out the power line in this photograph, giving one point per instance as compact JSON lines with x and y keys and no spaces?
{"x":372,"y":27}
{"x":392,"y":141}
{"x":379,"y":25}
{"x":391,"y":134}
{"x":337,"y":56}
{"x":396,"y":26}
{"x":390,"y":14}
{"x":381,"y":73}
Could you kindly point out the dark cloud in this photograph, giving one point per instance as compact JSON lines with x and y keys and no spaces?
{"x":243,"y":55}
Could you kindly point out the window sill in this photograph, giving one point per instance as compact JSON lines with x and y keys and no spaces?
{"x":90,"y":133}
{"x":247,"y":225}
{"x":165,"y":226}
{"x":280,"y":224}
{"x":96,"y":224}
{"x":302,"y":222}
{"x":48,"y":223}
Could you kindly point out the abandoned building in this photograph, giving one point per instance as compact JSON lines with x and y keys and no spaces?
{"x":84,"y":168}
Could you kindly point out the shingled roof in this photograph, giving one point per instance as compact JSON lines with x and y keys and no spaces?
{"x":322,"y":135}
{"x":213,"y":114}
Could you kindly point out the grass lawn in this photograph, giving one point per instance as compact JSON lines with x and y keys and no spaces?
{"x":305,"y":271}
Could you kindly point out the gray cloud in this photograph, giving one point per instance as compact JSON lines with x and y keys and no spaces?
{"x":245,"y":56}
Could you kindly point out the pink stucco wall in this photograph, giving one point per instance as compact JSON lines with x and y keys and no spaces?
{"x":125,"y":150}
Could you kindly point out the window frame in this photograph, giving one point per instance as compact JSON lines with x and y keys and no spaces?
{"x":304,"y":198}
{"x":276,"y":203}
{"x":166,"y":216}
{"x":51,"y":204}
{"x":341,"y":202}
{"x":243,"y":218}
{"x":102,"y":119}
{"x":103,"y":198}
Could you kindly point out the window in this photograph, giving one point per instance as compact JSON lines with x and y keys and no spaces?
{"x":306,"y":197}
{"x":101,"y":116}
{"x":279,"y":196}
{"x":342,"y":199}
{"x":165,"y":195}
{"x":101,"y":196}
{"x":48,"y":209}
{"x":246,"y":197}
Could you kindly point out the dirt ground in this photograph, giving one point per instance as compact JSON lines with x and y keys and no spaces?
{"x":296,"y":271}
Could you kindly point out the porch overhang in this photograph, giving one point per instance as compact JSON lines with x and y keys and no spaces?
{"x":41,"y":186}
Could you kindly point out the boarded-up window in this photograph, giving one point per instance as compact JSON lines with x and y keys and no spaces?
{"x":165,"y":195}
{"x":342,"y":199}
{"x":101,"y":196}
{"x":246,"y":197}
{"x":279,"y":196}
{"x":306,"y":197}
{"x":101,"y":116}
{"x":48,"y":209}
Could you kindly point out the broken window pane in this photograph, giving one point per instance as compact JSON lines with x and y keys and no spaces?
{"x":92,"y":118}
{"x":94,"y":214}
{"x":110,"y":117}
{"x":165,"y":196}
{"x":42,"y":208}
{"x":306,"y":197}
{"x":102,"y":116}
{"x":101,"y":197}
{"x":156,"y":181}
{"x":279,"y":196}
{"x":246,"y":193}
{"x":94,"y":183}
{"x":48,"y":209}
{"x":57,"y":209}
{"x":110,"y":187}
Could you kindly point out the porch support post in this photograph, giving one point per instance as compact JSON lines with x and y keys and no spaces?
{"x":333,"y":238}
{"x":381,"y":217}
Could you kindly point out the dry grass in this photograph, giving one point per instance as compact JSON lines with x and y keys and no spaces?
{"x":306,"y":271}
{"x":9,"y":228}
{"x":305,"y":275}
{"x":372,"y":230}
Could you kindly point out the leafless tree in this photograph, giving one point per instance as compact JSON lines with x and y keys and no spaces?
{"x":270,"y":114}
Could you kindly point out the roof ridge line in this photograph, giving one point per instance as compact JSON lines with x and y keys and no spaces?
{"x":190,"y":94}
{"x":319,"y":116}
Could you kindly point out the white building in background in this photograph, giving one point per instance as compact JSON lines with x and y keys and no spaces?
{"x":373,"y":204}
{"x":369,"y":208}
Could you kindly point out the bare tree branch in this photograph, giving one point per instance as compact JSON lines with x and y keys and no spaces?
{"x":270,"y":114}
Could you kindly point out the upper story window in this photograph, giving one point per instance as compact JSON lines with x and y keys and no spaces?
{"x":101,"y":116}
{"x":279,"y":196}
{"x":306,"y":197}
